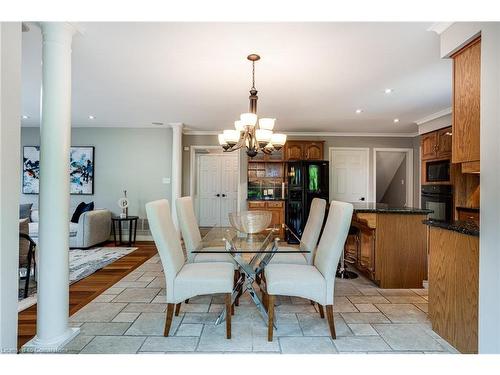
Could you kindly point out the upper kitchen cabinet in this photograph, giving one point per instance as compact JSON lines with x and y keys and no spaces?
{"x":466,"y":100}
{"x":294,"y":150}
{"x":313,"y":151}
{"x":304,"y":150}
{"x":437,"y":144}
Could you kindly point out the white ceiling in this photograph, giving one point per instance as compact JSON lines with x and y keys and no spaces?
{"x":312,"y":76}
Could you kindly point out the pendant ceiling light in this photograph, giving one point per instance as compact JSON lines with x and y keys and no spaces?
{"x":250,"y":131}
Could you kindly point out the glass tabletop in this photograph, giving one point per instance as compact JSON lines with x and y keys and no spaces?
{"x":229,"y":239}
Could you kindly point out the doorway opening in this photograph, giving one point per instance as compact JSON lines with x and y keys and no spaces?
{"x":393,"y":176}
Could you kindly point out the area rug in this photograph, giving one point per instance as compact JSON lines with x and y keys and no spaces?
{"x":82,"y":263}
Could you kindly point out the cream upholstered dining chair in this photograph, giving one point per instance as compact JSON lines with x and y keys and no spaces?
{"x":192,"y":236}
{"x":309,"y":238}
{"x":185,"y":280}
{"x":314,"y":282}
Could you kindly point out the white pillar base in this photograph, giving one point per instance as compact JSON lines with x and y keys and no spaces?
{"x":36,"y":345}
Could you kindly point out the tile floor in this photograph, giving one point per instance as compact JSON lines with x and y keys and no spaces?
{"x":129,"y":318}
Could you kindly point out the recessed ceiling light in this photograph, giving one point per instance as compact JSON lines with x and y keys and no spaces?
{"x":396,"y":120}
{"x":388,"y":91}
{"x":91,"y":117}
{"x":25,"y":117}
{"x":358,"y":111}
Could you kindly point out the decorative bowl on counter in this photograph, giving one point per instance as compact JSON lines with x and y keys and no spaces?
{"x":250,"y":222}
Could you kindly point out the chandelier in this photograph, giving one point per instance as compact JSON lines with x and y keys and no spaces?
{"x":247,"y":133}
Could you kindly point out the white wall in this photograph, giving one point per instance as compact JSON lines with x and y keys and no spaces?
{"x":452,"y":39}
{"x":10,"y":123}
{"x":129,"y":159}
{"x":436,"y":124}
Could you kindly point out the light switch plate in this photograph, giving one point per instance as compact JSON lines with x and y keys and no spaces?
{"x":165,"y":180}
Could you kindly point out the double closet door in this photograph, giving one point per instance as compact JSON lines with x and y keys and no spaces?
{"x":217,"y":188}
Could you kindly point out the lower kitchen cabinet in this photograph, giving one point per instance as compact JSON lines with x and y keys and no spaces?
{"x":454,"y":287}
{"x":391,"y":249}
{"x":277,"y":209}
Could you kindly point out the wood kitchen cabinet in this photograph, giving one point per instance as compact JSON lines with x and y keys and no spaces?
{"x":437,"y":144}
{"x":391,"y":249}
{"x":466,"y":102}
{"x":454,"y":287}
{"x":304,"y":150}
{"x":276,"y":208}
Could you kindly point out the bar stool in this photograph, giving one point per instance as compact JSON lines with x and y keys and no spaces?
{"x":342,"y":271}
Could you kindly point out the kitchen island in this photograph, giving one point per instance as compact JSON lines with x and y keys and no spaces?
{"x":389,"y":244}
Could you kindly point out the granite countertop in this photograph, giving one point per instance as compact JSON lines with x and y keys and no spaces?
{"x":372,"y":207}
{"x":464,"y":227}
{"x":265,"y":199}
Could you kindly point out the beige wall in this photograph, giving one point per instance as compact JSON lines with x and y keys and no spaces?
{"x":368,"y":142}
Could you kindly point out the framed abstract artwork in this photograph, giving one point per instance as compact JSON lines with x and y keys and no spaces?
{"x":31,"y":169}
{"x":81,"y":170}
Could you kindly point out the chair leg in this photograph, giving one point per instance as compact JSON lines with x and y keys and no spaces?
{"x":177,"y":309}
{"x":331,"y":322}
{"x":228,"y":315}
{"x":312,"y":302}
{"x":270,"y":314}
{"x":265,"y":301}
{"x":168,"y":321}
{"x":28,"y":273}
{"x":237,"y":300}
{"x":321,"y":311}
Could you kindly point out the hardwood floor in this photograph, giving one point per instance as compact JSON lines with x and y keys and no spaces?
{"x":85,"y":290}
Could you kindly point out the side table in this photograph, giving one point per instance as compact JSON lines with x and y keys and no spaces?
{"x":132,"y":229}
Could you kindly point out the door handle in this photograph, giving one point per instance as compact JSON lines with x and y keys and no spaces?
{"x":362,"y":198}
{"x":217,"y":195}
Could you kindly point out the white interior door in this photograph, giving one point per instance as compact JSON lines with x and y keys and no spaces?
{"x":349,"y":174}
{"x":217,"y":188}
{"x":229,"y":187}
{"x":208,"y":187}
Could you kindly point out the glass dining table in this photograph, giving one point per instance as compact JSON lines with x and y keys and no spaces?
{"x":251,"y":252}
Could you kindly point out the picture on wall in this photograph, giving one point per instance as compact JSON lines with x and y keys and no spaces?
{"x":81,"y":170}
{"x":31,"y":169}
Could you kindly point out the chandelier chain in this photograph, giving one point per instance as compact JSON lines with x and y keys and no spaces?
{"x":253,"y":75}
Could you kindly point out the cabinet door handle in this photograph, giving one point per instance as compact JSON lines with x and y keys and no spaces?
{"x":217,"y":195}
{"x":223,"y":195}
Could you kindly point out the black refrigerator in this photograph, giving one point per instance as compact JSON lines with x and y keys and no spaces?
{"x":306,"y":180}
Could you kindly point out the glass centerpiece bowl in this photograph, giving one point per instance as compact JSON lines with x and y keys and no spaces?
{"x":250,"y":222}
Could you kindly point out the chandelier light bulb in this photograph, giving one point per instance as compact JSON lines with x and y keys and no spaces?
{"x":266,"y":123}
{"x":278,"y":139}
{"x":239,"y":126}
{"x":231,"y":137}
{"x":248,"y":119}
{"x":222,"y":140}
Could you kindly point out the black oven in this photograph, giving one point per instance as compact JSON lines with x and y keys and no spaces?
{"x":439,"y":199}
{"x":437,"y":171}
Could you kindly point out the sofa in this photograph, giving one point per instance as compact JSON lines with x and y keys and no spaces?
{"x":93,"y":227}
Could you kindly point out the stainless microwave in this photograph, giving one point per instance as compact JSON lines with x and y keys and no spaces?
{"x":437,"y":171}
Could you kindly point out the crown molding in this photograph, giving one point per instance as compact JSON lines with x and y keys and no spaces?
{"x":433,"y":116}
{"x":316,"y":134}
{"x":439,"y":27}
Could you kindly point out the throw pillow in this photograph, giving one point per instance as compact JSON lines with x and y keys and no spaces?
{"x":25,"y":210}
{"x":80,"y":209}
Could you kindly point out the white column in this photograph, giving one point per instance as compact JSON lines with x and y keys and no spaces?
{"x":10,"y":140}
{"x":176,"y":168}
{"x":53,"y":330}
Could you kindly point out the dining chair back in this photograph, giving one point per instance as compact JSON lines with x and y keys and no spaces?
{"x":312,"y":229}
{"x":332,"y":243}
{"x":188,"y":225}
{"x":166,"y":240}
